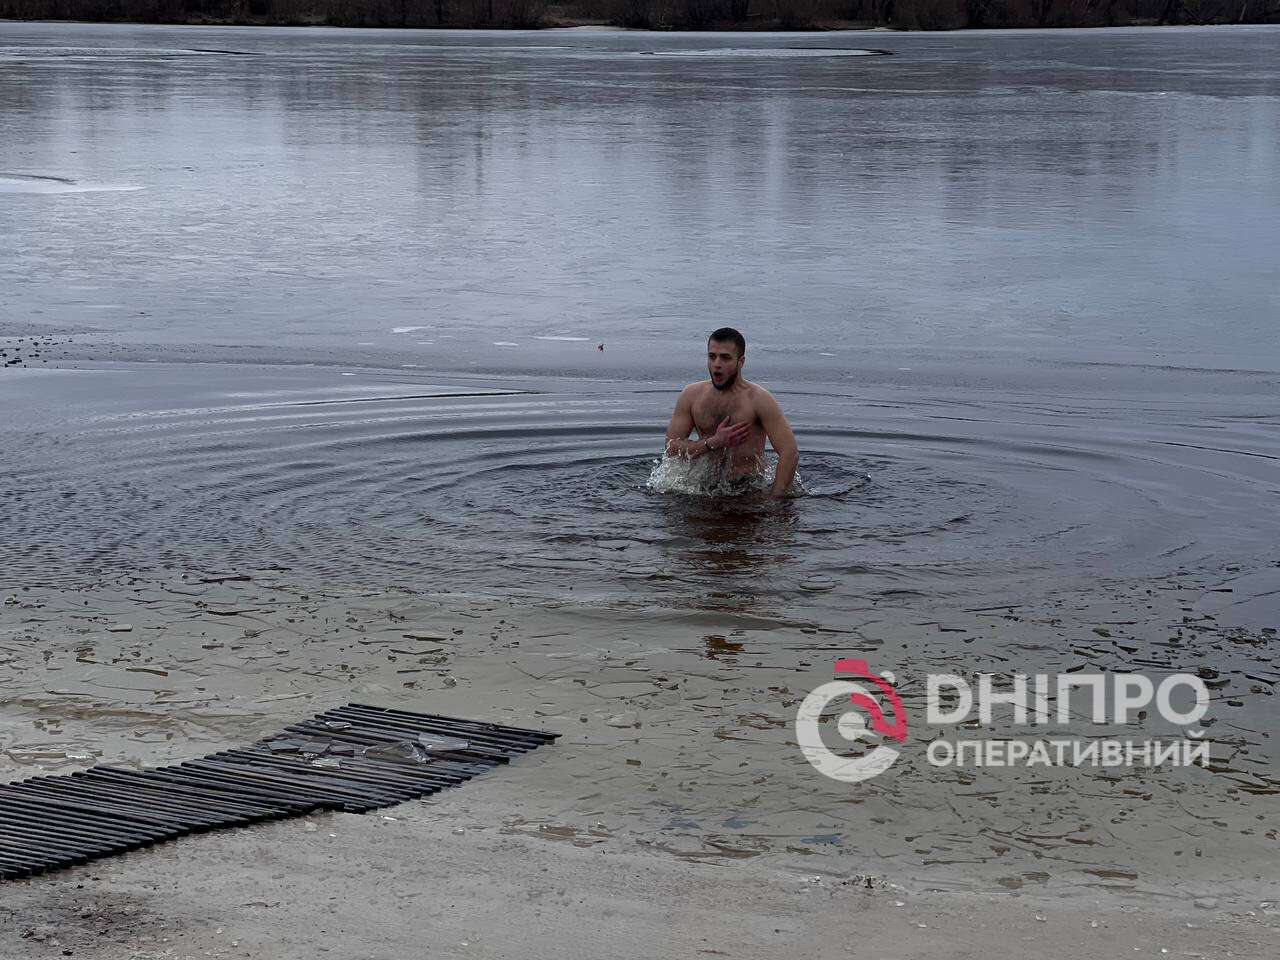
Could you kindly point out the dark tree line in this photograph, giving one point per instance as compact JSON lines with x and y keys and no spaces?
{"x":657,"y":14}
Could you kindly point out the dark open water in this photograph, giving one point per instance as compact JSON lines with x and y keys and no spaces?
{"x":541,"y":488}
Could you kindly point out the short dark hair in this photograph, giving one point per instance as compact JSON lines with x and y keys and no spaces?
{"x":730,"y":335}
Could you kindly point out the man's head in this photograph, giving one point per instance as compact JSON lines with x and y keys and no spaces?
{"x":726,"y":353}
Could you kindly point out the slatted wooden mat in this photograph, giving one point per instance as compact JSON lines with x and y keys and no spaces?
{"x":355,"y":758}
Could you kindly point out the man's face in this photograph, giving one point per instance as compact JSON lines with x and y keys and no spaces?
{"x":723,"y":363}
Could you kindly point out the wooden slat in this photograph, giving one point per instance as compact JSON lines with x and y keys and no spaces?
{"x":49,"y":822}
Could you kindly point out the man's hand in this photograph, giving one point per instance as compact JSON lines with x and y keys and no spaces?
{"x":729,"y":434}
{"x":678,"y":442}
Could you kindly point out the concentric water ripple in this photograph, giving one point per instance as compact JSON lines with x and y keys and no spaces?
{"x":545,"y":493}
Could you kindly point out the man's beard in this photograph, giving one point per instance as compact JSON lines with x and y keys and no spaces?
{"x":729,"y":381}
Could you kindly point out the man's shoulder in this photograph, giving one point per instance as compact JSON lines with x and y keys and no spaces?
{"x":695,"y":389}
{"x":760,"y":395}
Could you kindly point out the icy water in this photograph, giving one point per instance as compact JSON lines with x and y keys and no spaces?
{"x":291,"y":314}
{"x":1016,"y":290}
{"x":418,"y":197}
{"x":542,"y":489}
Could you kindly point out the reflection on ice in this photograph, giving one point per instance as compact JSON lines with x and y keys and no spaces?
{"x":33,"y":183}
{"x":769,"y":52}
{"x":104,"y":53}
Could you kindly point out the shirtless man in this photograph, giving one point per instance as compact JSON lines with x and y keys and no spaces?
{"x":733,"y":416}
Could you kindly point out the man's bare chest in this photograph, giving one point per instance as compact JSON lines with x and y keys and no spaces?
{"x":710,"y":410}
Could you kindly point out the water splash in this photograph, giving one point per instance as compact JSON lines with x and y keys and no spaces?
{"x":711,"y":477}
{"x":705,"y":477}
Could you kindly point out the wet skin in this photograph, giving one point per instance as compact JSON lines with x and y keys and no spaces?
{"x":733,"y":417}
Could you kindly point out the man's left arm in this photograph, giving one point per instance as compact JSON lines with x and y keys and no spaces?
{"x":783,"y":441}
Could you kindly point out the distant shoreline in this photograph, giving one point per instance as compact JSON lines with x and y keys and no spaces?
{"x":919,"y":16}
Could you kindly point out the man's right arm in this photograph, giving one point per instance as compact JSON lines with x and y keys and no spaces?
{"x":678,"y":430}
